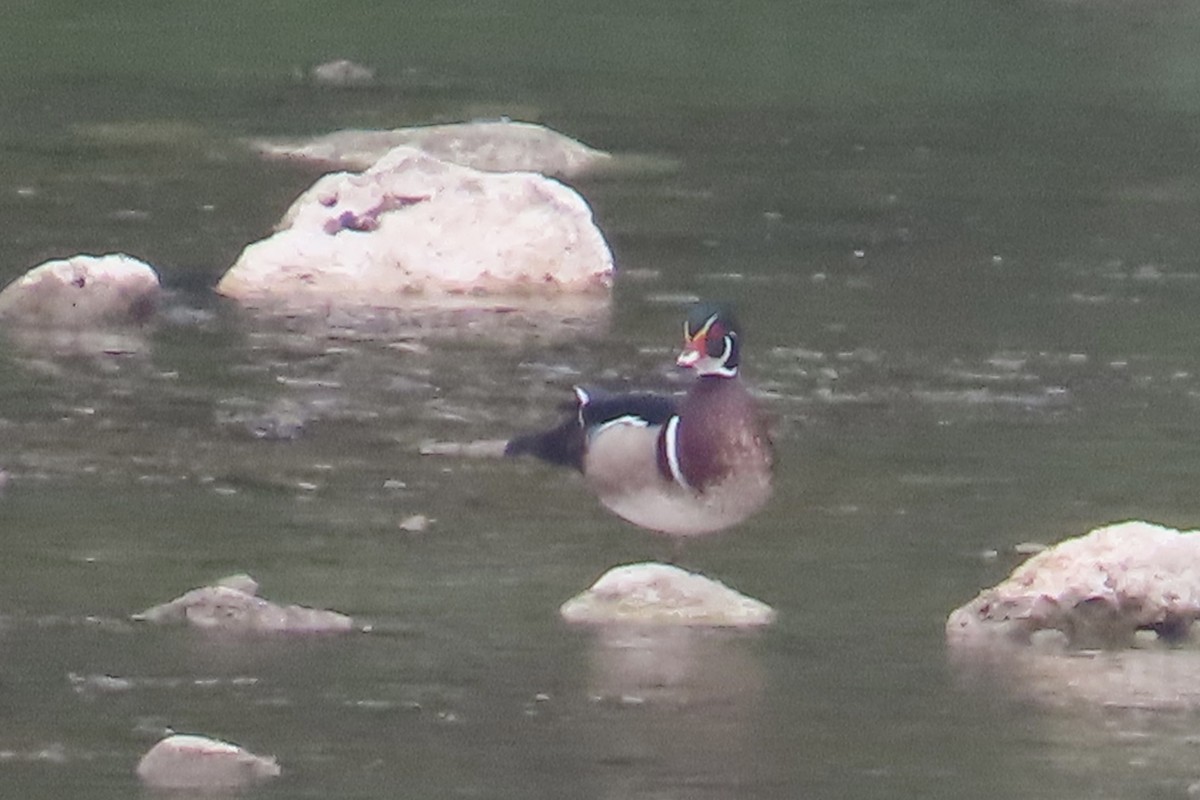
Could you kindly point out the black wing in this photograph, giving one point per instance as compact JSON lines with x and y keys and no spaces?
{"x":565,"y":443}
{"x":598,"y":407}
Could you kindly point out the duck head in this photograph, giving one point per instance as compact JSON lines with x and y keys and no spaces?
{"x":710,"y":341}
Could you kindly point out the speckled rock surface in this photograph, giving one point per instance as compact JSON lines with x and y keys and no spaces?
{"x":1096,"y":590}
{"x":492,"y":145}
{"x":82,"y":291}
{"x":233,"y":605}
{"x":187,"y":761}
{"x":663,"y":594}
{"x":415,"y":230}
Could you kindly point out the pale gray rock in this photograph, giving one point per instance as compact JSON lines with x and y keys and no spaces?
{"x":663,"y":594}
{"x":188,"y":761}
{"x":1099,"y":589}
{"x":490,"y":145}
{"x":233,"y":605}
{"x":82,"y":291}
{"x":413,"y":230}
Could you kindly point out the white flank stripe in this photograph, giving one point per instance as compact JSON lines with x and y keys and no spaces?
{"x":672,"y":434}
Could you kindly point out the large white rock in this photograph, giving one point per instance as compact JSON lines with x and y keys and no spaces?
{"x":1096,"y":590}
{"x":233,"y":605}
{"x":82,"y":291}
{"x":415,"y":230}
{"x":663,"y":594}
{"x":494,"y":146}
{"x":187,"y":761}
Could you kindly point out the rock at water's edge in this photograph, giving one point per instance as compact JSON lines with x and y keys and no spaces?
{"x":187,"y":761}
{"x":663,"y":594}
{"x":1097,"y":590}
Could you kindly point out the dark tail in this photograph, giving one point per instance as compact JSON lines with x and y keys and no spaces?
{"x":562,"y":445}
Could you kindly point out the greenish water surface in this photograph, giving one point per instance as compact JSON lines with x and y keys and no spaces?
{"x":963,"y":238}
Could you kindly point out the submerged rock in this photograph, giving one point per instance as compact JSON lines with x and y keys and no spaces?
{"x":413,"y":229}
{"x":233,"y":605}
{"x":186,"y":761}
{"x":492,"y":146}
{"x":283,"y":419}
{"x":82,"y":291}
{"x":1096,"y":590}
{"x":663,"y":594}
{"x":341,"y":73}
{"x":480,"y":448}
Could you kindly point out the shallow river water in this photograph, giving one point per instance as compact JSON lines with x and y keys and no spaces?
{"x":963,"y":240}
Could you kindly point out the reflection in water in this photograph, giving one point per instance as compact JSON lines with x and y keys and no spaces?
{"x":1150,"y":678}
{"x":683,"y":707}
{"x":78,"y":342}
{"x":509,"y":320}
{"x":1124,"y":720}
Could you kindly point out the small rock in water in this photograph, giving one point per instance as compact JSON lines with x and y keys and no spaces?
{"x":663,"y":594}
{"x":187,"y":761}
{"x":232,"y":605}
{"x":415,"y":523}
{"x":83,"y":291}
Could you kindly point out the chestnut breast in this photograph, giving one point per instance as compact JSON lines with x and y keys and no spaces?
{"x":721,"y":433}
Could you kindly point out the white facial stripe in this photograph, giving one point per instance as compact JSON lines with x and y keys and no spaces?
{"x":706,"y":365}
{"x":672,"y":445}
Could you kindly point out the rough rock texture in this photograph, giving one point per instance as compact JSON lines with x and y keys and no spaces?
{"x":494,"y":146}
{"x":233,"y":605}
{"x":413,"y":228}
{"x":185,"y":761}
{"x":1097,"y":590}
{"x":663,"y":594}
{"x":82,"y":291}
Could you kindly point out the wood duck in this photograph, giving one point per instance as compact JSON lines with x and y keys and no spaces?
{"x":679,"y":466}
